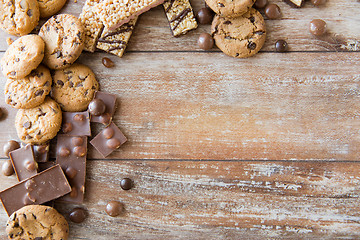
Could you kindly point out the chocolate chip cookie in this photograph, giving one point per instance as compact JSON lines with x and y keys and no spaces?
{"x":30,"y":91}
{"x":37,"y":222}
{"x":230,"y":9}
{"x":22,"y":56}
{"x":50,"y":7}
{"x":19,"y":17}
{"x":239,"y":37}
{"x":39,"y":124}
{"x":64,"y":38}
{"x":74,"y":87}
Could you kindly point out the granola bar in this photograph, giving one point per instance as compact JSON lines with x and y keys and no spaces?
{"x":115,"y":42}
{"x":180,"y":15}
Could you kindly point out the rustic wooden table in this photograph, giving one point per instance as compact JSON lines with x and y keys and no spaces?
{"x":222,"y":148}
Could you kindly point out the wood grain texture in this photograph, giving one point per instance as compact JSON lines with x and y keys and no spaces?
{"x":219,"y":200}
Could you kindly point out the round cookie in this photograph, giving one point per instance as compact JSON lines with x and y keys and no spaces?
{"x":30,"y":91}
{"x":74,"y":87}
{"x":239,"y":37}
{"x":39,"y":124}
{"x":64,"y":38}
{"x":37,"y":222}
{"x":22,"y":56}
{"x":230,"y":9}
{"x":19,"y":17}
{"x":50,"y":7}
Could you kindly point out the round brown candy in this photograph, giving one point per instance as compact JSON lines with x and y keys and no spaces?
{"x":10,"y":146}
{"x":113,"y":143}
{"x":126,"y":183}
{"x":318,"y":27}
{"x":1,"y":113}
{"x":105,"y":118}
{"x":79,"y":117}
{"x":97,"y":107}
{"x":318,"y":2}
{"x":67,"y":127}
{"x":260,"y":3}
{"x":70,"y":172}
{"x":205,"y":41}
{"x":77,"y":141}
{"x":281,"y":45}
{"x":107,"y":62}
{"x":7,"y":168}
{"x":30,"y":184}
{"x":114,"y":208}
{"x":64,"y":152}
{"x":108,"y":133}
{"x":30,"y":165}
{"x":79,"y":151}
{"x":272,"y":11}
{"x":77,"y":215}
{"x":205,"y":15}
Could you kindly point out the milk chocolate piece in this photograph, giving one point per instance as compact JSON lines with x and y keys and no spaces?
{"x":76,"y":123}
{"x":71,"y":155}
{"x":41,"y":153}
{"x":45,"y":165}
{"x":24,"y":162}
{"x":110,"y":101}
{"x":108,"y":140}
{"x":41,"y":188}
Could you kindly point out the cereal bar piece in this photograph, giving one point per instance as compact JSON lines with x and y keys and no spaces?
{"x":180,"y":15}
{"x":92,"y":24}
{"x":116,"y":41}
{"x":114,"y":13}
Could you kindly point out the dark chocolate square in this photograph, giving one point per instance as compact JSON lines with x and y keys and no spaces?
{"x":41,"y":153}
{"x":24,"y":162}
{"x":108,"y":140}
{"x":76,"y":123}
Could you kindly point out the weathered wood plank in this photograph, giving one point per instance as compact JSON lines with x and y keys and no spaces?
{"x":342,"y":17}
{"x":183,"y":106}
{"x":219,"y":200}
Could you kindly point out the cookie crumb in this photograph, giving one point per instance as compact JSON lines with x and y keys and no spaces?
{"x":9,"y":41}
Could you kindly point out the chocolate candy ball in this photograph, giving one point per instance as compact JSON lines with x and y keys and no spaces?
{"x":205,"y":16}
{"x":317,"y":27}
{"x":10,"y":146}
{"x":77,"y":215}
{"x":7,"y":168}
{"x":126,"y":183}
{"x":281,"y":45}
{"x":114,"y":208}
{"x":107,"y":62}
{"x":97,"y":107}
{"x":272,"y":11}
{"x":318,"y":2}
{"x":260,"y":3}
{"x":205,"y":41}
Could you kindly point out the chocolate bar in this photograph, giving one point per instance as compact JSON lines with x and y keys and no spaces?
{"x":43,"y":187}
{"x":108,"y":140}
{"x":24,"y":162}
{"x":110,"y":103}
{"x":76,"y":123}
{"x":45,"y":165}
{"x":180,"y":16}
{"x":71,"y":155}
{"x":114,"y":13}
{"x":92,"y":25}
{"x":41,"y":153}
{"x":115,"y":42}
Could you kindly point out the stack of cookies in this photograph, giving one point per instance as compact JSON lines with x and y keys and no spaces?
{"x":237,"y":28}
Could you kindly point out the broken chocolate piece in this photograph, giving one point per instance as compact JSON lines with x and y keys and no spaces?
{"x":43,"y":187}
{"x":24,"y":162}
{"x":76,"y":123}
{"x":110,"y":102}
{"x":73,"y":163}
{"x":108,"y":140}
{"x":41,"y":153}
{"x":295,"y":3}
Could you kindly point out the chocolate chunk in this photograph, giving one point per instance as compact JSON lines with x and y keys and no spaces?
{"x":2,"y":113}
{"x":7,"y":168}
{"x":29,"y":12}
{"x":205,"y":15}
{"x":63,"y":152}
{"x":59,"y":82}
{"x":205,"y":41}
{"x":114,"y":208}
{"x":74,"y":164}
{"x":318,"y":27}
{"x":11,"y":145}
{"x":260,"y":4}
{"x":41,"y":152}
{"x":272,"y":11}
{"x":77,"y":215}
{"x":42,"y":166}
{"x":110,"y":102}
{"x":126,"y":183}
{"x":318,"y":2}
{"x":39,"y":92}
{"x":48,"y":185}
{"x":106,"y":145}
{"x":27,"y":125}
{"x":221,"y":5}
{"x":107,"y":62}
{"x":76,"y":123}
{"x":24,"y":162}
{"x":281,"y":45}
{"x":251,"y":45}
